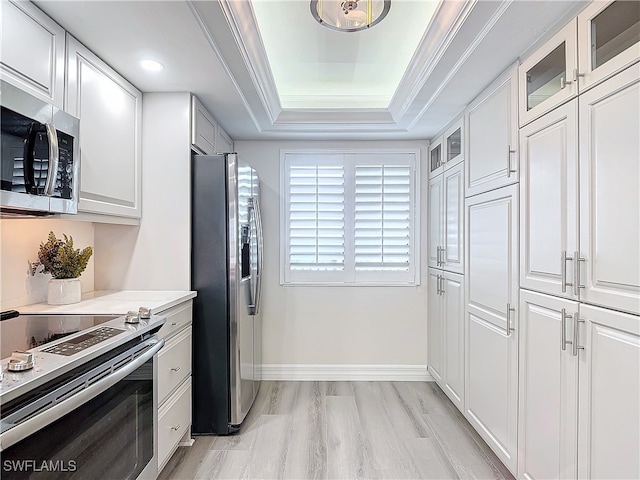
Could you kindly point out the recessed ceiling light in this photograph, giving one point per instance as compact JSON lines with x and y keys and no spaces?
{"x":152,"y":65}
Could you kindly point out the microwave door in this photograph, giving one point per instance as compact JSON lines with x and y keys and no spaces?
{"x":23,"y":140}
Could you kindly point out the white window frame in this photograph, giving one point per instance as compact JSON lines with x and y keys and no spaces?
{"x":349,"y":158}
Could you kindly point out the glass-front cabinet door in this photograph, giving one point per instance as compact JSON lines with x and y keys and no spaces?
{"x":609,"y":39}
{"x":452,"y":140}
{"x":436,"y":157}
{"x":548,"y":77}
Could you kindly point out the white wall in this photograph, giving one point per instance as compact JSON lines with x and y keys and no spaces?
{"x":305,"y":325}
{"x":19,"y":243}
{"x":155,"y":255}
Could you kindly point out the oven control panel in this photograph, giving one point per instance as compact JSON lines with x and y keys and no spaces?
{"x":84,"y":341}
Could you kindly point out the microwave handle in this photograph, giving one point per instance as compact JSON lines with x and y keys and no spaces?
{"x":54,"y":160}
{"x":28,"y":159}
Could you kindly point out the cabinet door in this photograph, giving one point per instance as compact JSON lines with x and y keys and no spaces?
{"x":110,"y":113}
{"x":453,"y":222}
{"x":492,"y":255}
{"x":609,"y":39}
{"x":32,"y":52}
{"x":609,"y":437}
{"x":436,"y":157}
{"x":436,"y":213}
{"x":435,"y":328}
{"x":203,"y":128}
{"x":609,"y":193}
{"x":453,"y":300}
{"x":548,"y":78}
{"x":453,"y":140}
{"x":224,"y":144}
{"x":548,"y":388}
{"x":491,"y":388}
{"x":549,"y":201}
{"x":491,"y":129}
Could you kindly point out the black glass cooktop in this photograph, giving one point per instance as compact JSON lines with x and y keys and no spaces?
{"x":28,"y":331}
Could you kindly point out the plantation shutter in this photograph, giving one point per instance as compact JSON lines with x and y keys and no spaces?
{"x":316,"y":218}
{"x":349,"y":218}
{"x":383,"y":226}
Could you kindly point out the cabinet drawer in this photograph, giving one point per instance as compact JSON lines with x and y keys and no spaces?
{"x":178,"y":317}
{"x":174,"y":419}
{"x":174,"y":363}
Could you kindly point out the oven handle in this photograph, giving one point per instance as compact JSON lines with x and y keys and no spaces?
{"x":38,"y":422}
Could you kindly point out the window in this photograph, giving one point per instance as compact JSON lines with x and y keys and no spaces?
{"x":349,"y":218}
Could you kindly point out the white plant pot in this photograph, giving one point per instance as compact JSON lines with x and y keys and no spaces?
{"x":62,"y":291}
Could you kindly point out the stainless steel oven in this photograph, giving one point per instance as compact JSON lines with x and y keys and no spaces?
{"x":40,"y":164}
{"x":99,"y":420}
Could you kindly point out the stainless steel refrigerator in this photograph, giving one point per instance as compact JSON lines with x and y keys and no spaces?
{"x":226,"y":269}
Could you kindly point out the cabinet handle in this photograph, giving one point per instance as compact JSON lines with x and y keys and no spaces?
{"x":576,"y":273}
{"x":175,"y":369}
{"x":563,"y":271}
{"x":442,"y":285}
{"x":442,"y":253}
{"x":438,"y":255}
{"x":438,"y":285}
{"x":576,"y":321}
{"x":176,"y":428}
{"x":175,"y":324}
{"x":565,"y":342}
{"x":509,"y":310}
{"x":510,"y":151}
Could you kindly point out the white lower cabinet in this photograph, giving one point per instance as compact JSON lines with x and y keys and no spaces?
{"x":174,"y":381}
{"x":609,"y":399}
{"x":491,"y":322}
{"x":446,"y":333}
{"x":435,"y":320}
{"x":579,"y":390}
{"x":548,"y":386}
{"x":174,"y":419}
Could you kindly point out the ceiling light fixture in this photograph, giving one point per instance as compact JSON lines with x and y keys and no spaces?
{"x":151,"y":65}
{"x":349,"y":15}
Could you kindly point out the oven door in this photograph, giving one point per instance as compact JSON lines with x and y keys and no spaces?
{"x":100,"y":424}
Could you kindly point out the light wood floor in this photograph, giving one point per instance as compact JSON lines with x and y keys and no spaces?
{"x":343,"y":430}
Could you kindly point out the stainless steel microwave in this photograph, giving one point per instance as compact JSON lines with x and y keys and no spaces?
{"x":40,"y":162}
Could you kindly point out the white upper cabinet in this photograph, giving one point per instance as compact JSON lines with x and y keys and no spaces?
{"x":491,"y":122}
{"x":548,"y":78}
{"x":110,"y":113}
{"x":436,"y":157}
{"x":203,"y":128}
{"x":224,"y":144}
{"x":436,"y":221}
{"x":549,"y":202}
{"x":452,"y":256}
{"x":453,"y":140}
{"x":32,"y":52}
{"x":608,"y":433}
{"x":609,"y":264}
{"x":446,"y":220}
{"x":609,"y":39}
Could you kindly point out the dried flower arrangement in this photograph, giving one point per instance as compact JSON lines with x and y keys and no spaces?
{"x":60,"y":259}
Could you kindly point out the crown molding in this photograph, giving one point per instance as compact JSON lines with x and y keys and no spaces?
{"x":244,"y":27}
{"x":216,"y":50}
{"x":444,"y":25}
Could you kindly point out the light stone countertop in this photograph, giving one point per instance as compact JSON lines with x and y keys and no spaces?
{"x":113,"y":302}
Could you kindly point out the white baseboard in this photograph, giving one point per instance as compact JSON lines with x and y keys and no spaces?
{"x":301,"y":372}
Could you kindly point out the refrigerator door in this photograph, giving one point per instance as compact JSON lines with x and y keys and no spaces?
{"x":242,"y":235}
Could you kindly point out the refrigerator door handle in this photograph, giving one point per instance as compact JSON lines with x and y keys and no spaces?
{"x":259,"y":245}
